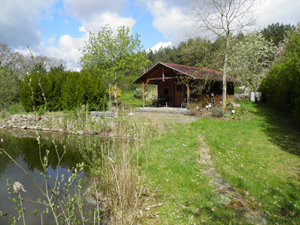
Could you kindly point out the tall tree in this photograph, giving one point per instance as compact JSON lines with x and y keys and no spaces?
{"x":113,"y":53}
{"x":251,"y":59}
{"x":222,"y":18}
{"x":276,"y":32}
{"x":9,"y":87}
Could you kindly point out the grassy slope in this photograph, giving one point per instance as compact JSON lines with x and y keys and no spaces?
{"x":128,"y":99}
{"x":256,"y":152}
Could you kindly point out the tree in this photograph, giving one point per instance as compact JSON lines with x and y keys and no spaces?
{"x":281,"y":86}
{"x":11,"y":59}
{"x":9,"y":83}
{"x":112,"y":53}
{"x":222,"y":18}
{"x":251,"y":59}
{"x":39,"y":68}
{"x":276,"y":32}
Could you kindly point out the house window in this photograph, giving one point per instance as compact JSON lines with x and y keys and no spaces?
{"x":179,"y":88}
{"x":166,"y":91}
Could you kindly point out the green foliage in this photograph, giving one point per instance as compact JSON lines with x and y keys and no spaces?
{"x":64,"y":90}
{"x":276,"y":32}
{"x":84,"y":88}
{"x":13,"y":109}
{"x":39,"y":68}
{"x":281,"y":86}
{"x":250,"y":60}
{"x":138,"y":93}
{"x":113,"y":54}
{"x":32,"y":81}
{"x":41,"y":111}
{"x":9,"y":82}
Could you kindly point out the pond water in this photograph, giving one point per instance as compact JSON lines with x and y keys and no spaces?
{"x":24,"y":149}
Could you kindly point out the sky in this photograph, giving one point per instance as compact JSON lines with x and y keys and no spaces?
{"x":59,"y":28}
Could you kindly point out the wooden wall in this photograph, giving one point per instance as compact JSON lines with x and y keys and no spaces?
{"x":216,"y":89}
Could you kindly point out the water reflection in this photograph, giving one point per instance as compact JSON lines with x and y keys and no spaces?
{"x":25,"y":150}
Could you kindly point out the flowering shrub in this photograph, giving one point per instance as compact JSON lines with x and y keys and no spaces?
{"x":112,"y":92}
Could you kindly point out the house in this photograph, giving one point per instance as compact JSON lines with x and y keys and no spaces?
{"x":178,"y":85}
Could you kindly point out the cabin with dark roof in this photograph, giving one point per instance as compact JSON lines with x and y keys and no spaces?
{"x":177,"y":84}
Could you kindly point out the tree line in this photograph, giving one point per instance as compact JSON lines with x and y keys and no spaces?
{"x":281,"y":86}
{"x":63,"y":90}
{"x":66,"y":89}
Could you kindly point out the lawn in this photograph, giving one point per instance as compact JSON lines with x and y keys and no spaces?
{"x":128,"y":99}
{"x":256,"y":151}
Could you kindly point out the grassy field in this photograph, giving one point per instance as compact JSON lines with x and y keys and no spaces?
{"x":257,"y":152}
{"x":128,"y":99}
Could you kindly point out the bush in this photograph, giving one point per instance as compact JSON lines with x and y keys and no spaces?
{"x":217,"y":111}
{"x":112,"y":92}
{"x":280,"y":88}
{"x":63,"y":90}
{"x":41,"y":111}
{"x":13,"y":109}
{"x":138,"y":93}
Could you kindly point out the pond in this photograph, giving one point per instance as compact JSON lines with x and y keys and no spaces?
{"x":23,"y":147}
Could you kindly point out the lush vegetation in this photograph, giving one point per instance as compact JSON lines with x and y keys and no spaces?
{"x":63,"y":90}
{"x":281,"y":86}
{"x":9,"y":83}
{"x":256,"y":151}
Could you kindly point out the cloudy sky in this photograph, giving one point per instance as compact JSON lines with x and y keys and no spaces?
{"x":58,"y":28}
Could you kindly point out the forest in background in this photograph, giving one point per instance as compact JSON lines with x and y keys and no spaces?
{"x":196,"y":52}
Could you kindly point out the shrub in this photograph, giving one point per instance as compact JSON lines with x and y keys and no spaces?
{"x":138,"y":93}
{"x":280,"y":88}
{"x":63,"y":90}
{"x":217,"y":111}
{"x":112,"y":92}
{"x":13,"y":109}
{"x":41,"y":111}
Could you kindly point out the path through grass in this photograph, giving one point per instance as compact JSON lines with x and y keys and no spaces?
{"x":257,"y":152}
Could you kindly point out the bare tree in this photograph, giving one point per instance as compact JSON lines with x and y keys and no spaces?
{"x":9,"y":58}
{"x":47,"y":62}
{"x":222,"y":18}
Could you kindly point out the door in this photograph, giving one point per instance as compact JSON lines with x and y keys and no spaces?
{"x":179,"y":94}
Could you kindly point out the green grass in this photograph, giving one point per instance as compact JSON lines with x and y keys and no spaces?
{"x":128,"y":99}
{"x":257,"y":152}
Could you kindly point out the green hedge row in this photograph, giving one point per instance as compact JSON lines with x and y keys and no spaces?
{"x":281,"y":87}
{"x":64,"y":90}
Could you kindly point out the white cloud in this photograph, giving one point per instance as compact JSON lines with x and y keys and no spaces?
{"x":19,"y":21}
{"x":273,"y":11}
{"x":169,"y":19}
{"x":66,"y":22}
{"x":95,"y":23}
{"x":160,"y":45}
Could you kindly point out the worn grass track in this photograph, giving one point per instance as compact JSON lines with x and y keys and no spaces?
{"x":257,"y":152}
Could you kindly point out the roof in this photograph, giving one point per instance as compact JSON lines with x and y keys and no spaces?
{"x":196,"y":73}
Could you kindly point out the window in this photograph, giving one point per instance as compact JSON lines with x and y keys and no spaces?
{"x":166,"y":91}
{"x":179,"y":88}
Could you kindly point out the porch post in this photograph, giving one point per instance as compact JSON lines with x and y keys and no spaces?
{"x":188,"y":93}
{"x":143,"y":95}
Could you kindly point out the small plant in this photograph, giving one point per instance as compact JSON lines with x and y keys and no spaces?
{"x":112,"y":92}
{"x":41,"y":111}
{"x":13,"y":109}
{"x":4,"y":114}
{"x":138,"y":93}
{"x":217,"y":111}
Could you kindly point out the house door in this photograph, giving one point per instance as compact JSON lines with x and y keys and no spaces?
{"x":179,"y":94}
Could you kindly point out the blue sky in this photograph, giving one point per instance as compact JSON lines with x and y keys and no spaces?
{"x":58,"y":28}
